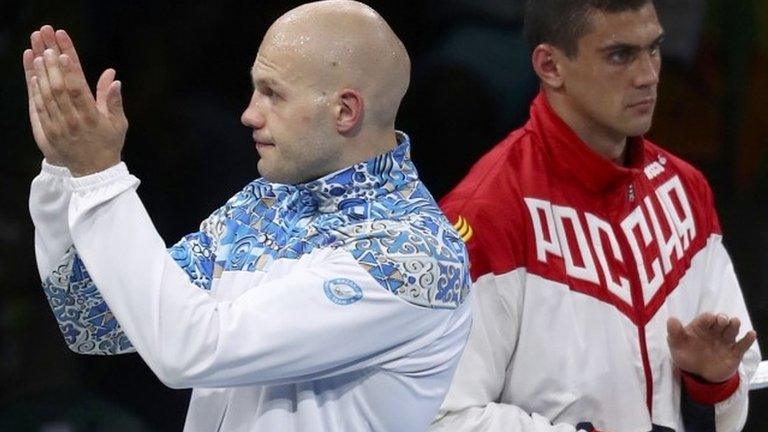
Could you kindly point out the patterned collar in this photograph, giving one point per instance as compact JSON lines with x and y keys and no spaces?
{"x":365,"y":181}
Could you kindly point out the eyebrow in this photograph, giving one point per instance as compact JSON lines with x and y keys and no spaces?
{"x":632,"y":47}
{"x":265,"y":80}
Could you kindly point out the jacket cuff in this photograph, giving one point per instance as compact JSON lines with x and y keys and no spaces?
{"x":707,"y":393}
{"x":55,"y":170}
{"x":101,"y":178}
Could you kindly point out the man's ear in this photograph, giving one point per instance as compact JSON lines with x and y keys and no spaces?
{"x":547,"y":63}
{"x":349,"y":112}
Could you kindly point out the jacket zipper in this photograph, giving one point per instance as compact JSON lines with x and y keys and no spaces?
{"x":638,"y":302}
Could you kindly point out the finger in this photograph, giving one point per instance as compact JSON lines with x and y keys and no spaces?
{"x":45,"y":90}
{"x":68,"y":47}
{"x":741,"y":347}
{"x":115,"y":99}
{"x":29,"y":70}
{"x":40,"y":108}
{"x":38,"y":46}
{"x":731,"y":330}
{"x":79,"y":93}
{"x":29,"y":73}
{"x":102,"y":87}
{"x":59,"y":90}
{"x":49,"y":38}
{"x":76,"y":69}
{"x":721,"y":322}
{"x":705,"y":321}
{"x":675,"y":332}
{"x":55,"y":77}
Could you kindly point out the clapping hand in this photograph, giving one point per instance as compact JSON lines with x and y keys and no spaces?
{"x":70,"y":126}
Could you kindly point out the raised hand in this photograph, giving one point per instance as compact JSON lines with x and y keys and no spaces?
{"x":707,"y":347}
{"x":70,"y":127}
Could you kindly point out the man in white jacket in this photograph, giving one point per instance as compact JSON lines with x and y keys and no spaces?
{"x":327,"y":295}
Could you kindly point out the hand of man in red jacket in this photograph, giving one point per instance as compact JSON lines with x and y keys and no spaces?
{"x":707,"y":347}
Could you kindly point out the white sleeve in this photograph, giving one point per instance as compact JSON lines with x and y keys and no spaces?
{"x":722,"y":294}
{"x":471,"y":404}
{"x":82,"y":316}
{"x":285,"y":330}
{"x":49,"y":197}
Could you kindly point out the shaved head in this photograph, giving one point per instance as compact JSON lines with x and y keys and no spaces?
{"x":328,"y":79}
{"x":344,"y":43}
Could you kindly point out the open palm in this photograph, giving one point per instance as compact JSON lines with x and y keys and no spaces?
{"x":707,"y":346}
{"x":70,"y":126}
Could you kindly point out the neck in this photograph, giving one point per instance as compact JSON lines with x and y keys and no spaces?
{"x":352,"y":151}
{"x":608,"y":144}
{"x":365,"y":146}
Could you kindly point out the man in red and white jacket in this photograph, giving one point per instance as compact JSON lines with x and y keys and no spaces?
{"x":603,"y":296}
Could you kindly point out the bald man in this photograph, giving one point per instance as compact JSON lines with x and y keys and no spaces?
{"x":328,"y":295}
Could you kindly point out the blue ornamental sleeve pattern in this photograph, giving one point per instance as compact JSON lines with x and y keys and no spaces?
{"x":84,"y":318}
{"x":423,"y":262}
{"x":196,"y":252}
{"x":247,"y":234}
{"x":85,"y":321}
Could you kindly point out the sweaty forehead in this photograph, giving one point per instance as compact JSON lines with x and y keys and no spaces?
{"x":283,"y":62}
{"x":640,"y":27}
{"x":287,"y":37}
{"x":316,"y":54}
{"x":313,"y":42}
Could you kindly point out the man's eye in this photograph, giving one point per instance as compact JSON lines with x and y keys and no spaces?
{"x":620,"y":57}
{"x":655,"y":50}
{"x":275,"y":96}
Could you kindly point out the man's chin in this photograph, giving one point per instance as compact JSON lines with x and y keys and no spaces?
{"x":266,"y":173}
{"x":639,"y":129}
{"x":277,"y":177}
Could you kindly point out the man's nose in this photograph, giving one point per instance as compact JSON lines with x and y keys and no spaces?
{"x":648,"y":70}
{"x":252,"y":116}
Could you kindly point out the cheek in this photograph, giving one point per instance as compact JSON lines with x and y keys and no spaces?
{"x":611,"y":88}
{"x":300,"y":122}
{"x":599,"y":93}
{"x":592,"y":82}
{"x":305,"y":114}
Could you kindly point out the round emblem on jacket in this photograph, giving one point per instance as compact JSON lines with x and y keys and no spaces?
{"x":342,"y":291}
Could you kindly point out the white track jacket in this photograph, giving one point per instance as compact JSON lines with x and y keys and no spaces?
{"x":335,"y":305}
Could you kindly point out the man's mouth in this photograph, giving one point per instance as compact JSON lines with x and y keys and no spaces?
{"x":643,"y":103}
{"x":262,"y":143}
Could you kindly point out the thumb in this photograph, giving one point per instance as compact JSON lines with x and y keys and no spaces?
{"x":744,"y":343}
{"x":103,"y":85}
{"x":115,"y":99}
{"x":675,"y":332}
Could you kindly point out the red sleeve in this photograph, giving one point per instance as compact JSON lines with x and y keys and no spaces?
{"x":708,"y":393}
{"x":492,"y":232}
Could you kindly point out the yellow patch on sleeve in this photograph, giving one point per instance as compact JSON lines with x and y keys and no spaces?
{"x":464,"y":229}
